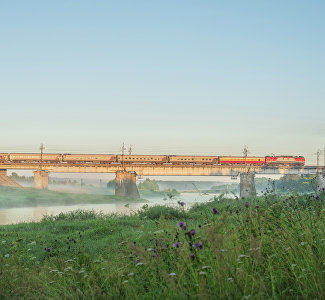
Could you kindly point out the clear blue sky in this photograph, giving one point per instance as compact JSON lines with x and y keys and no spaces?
{"x":165,"y":76}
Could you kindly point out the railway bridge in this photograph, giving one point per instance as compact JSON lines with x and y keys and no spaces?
{"x":126,"y":173}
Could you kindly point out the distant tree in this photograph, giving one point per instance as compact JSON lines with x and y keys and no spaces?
{"x":148,"y":185}
{"x":111,"y":184}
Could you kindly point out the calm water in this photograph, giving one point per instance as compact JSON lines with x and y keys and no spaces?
{"x":35,"y":214}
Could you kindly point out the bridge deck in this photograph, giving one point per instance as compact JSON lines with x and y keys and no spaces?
{"x":163,"y":170}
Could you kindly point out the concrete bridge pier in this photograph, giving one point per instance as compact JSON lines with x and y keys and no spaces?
{"x":321,"y":182}
{"x":247,"y":185}
{"x":126,"y":184}
{"x":41,"y":179}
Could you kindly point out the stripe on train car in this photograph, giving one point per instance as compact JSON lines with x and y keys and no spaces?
{"x":241,"y":162}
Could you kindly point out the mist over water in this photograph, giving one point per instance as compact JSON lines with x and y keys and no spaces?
{"x":32,"y":205}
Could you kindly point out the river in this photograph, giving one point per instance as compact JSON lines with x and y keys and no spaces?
{"x":36,"y":213}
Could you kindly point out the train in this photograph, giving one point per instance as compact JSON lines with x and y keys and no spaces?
{"x":286,"y":160}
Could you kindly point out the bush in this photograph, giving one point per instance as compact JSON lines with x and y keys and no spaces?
{"x":155,"y":212}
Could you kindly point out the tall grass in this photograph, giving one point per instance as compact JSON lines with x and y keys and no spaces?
{"x":262,"y":248}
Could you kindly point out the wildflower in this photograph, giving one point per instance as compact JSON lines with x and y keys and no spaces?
{"x":302,"y":243}
{"x":198,"y":245}
{"x":283,"y":200}
{"x":181,"y":203}
{"x":48,"y":249}
{"x":190,"y":233}
{"x":131,"y":274}
{"x":206,"y":267}
{"x":192,"y":256}
{"x":182,"y":225}
{"x":246,"y":204}
{"x":151,"y":250}
{"x":316,"y":197}
{"x":7,"y":255}
{"x":215,"y":210}
{"x":177,"y":245}
{"x":230,"y":279}
{"x":202,"y":273}
{"x":139,"y":264}
{"x":172,"y":274}
{"x":69,"y":247}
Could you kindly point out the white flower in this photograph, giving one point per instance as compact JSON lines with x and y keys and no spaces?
{"x":206,"y":267}
{"x":202,"y":273}
{"x":172,"y":274}
{"x":131,"y":274}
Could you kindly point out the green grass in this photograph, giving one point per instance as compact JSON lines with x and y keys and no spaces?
{"x":273,"y":249}
{"x":17,"y":197}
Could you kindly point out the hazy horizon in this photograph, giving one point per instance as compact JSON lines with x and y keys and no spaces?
{"x":171,"y":77}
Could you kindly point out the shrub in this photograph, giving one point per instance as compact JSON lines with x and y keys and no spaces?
{"x":155,"y":212}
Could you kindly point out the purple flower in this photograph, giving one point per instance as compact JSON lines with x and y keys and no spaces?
{"x":283,"y":200}
{"x":177,"y":245}
{"x":47,"y":249}
{"x":215,"y":210}
{"x":246,"y":204}
{"x":69,"y":246}
{"x":198,"y":245}
{"x":192,"y":256}
{"x":181,"y":203}
{"x":182,"y":225}
{"x":190,"y":233}
{"x":316,"y":197}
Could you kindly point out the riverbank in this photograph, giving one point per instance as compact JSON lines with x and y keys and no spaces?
{"x":30,"y":197}
{"x":260,"y":248}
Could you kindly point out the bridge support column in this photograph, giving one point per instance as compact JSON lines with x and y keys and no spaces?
{"x":321,"y":182}
{"x":126,"y":184}
{"x":41,"y":179}
{"x":247,"y":185}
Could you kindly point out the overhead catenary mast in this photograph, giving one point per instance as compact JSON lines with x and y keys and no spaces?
{"x":42,"y":149}
{"x":123,"y":151}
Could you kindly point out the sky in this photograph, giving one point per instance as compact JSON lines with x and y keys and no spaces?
{"x":167,"y":77}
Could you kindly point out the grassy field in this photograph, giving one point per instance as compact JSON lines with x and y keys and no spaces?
{"x":263,"y":248}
